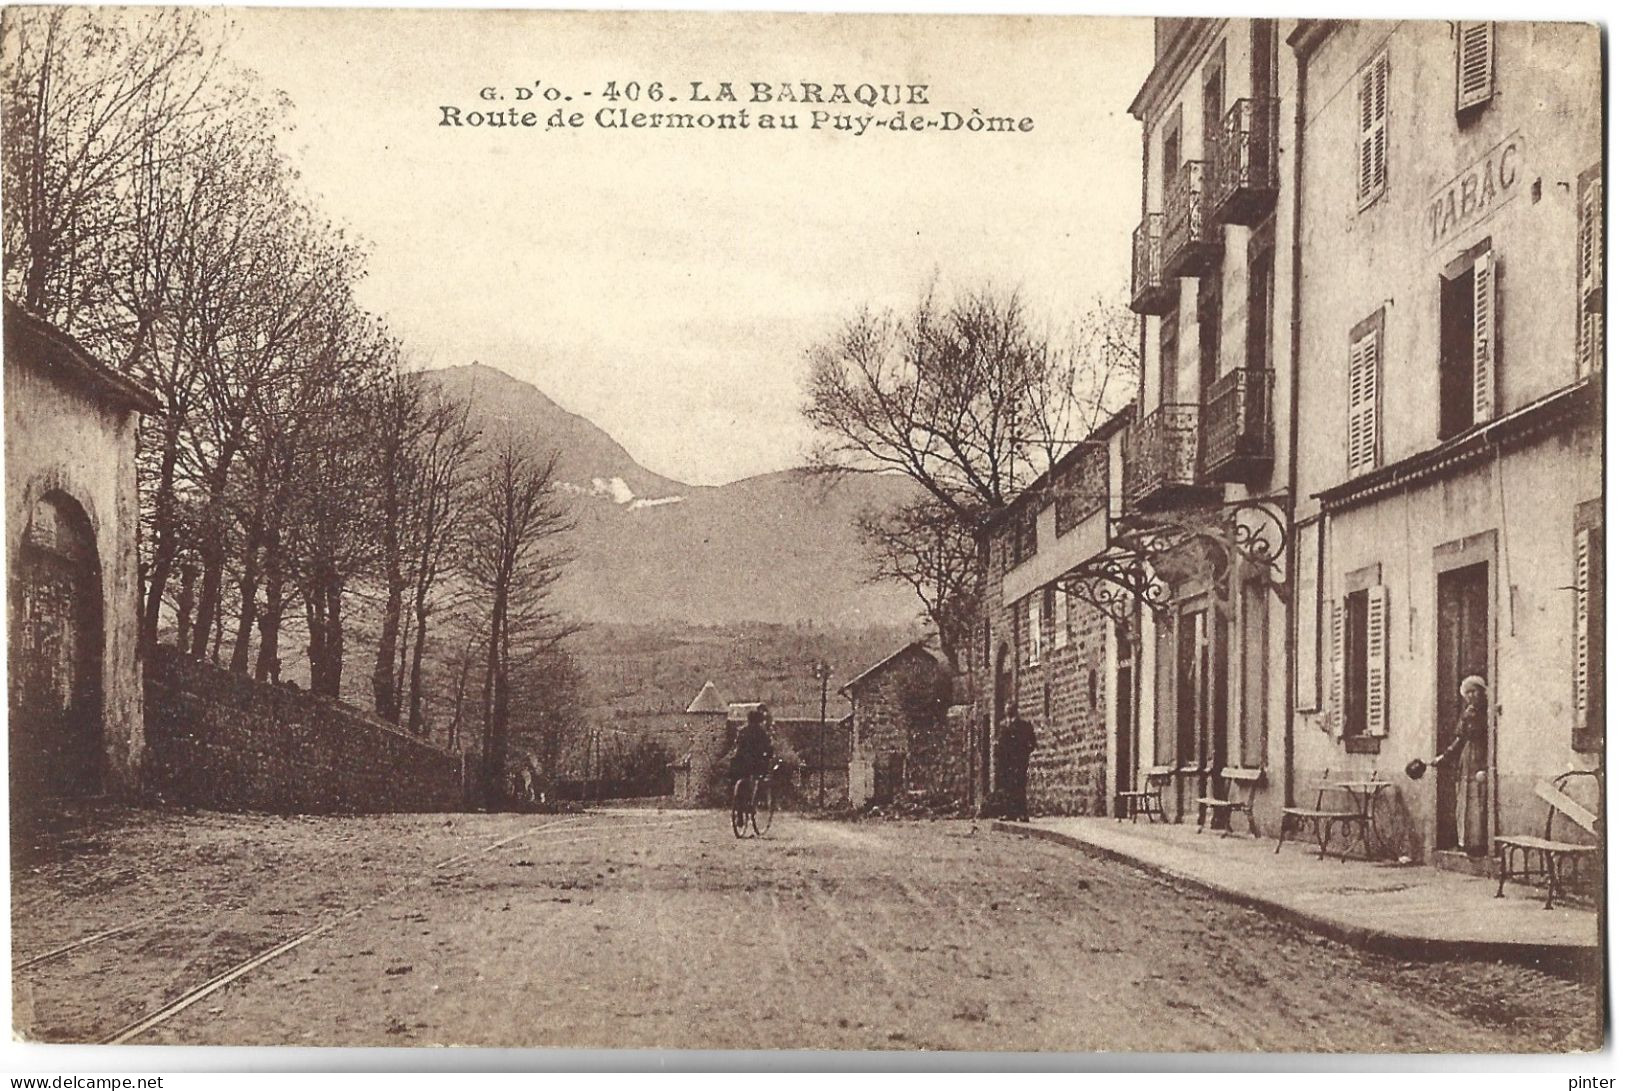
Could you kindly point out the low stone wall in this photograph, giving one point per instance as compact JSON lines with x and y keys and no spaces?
{"x":219,"y":740}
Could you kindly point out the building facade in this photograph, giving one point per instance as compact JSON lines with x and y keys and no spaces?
{"x":1046,"y":645}
{"x":1370,"y":270}
{"x":72,"y":515}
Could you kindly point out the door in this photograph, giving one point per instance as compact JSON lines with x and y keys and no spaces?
{"x":1463,"y":635}
{"x":56,"y":657}
{"x":1190,"y":706}
{"x":1123,"y":766}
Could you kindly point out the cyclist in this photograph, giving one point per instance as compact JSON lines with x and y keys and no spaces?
{"x":753,"y":749}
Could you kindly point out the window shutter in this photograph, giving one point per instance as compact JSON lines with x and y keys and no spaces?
{"x":1373,"y":111}
{"x":1484,"y":331}
{"x":1582,"y":631}
{"x":1591,"y":245}
{"x":1376,"y":661}
{"x":1334,"y":703}
{"x":1475,"y":64}
{"x":1588,"y":346}
{"x":1063,"y":617}
{"x":1363,"y":404}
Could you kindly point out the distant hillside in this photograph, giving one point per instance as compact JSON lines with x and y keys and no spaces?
{"x":774,"y":548}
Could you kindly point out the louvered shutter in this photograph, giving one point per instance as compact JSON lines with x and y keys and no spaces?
{"x":1475,"y":64}
{"x":1373,"y":111}
{"x":1363,"y":423}
{"x":1582,"y":630}
{"x":1376,"y":660}
{"x":1484,"y":333}
{"x":1591,"y":245}
{"x":1588,"y":347}
{"x":1334,"y":702}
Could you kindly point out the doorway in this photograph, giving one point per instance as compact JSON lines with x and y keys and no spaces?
{"x":1463,"y":638}
{"x":1126,"y":756}
{"x":56,"y":657}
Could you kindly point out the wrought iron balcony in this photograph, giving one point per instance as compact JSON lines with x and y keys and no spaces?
{"x":1150,"y":292}
{"x":1237,"y":440}
{"x":1159,"y":457}
{"x":1191,"y":243}
{"x":1244,"y":191}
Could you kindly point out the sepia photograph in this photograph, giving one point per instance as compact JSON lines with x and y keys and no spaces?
{"x":743,"y":531}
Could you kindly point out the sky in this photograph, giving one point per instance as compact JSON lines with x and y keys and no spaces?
{"x":667,"y":284}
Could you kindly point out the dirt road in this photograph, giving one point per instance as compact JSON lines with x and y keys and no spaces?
{"x":651,"y":929}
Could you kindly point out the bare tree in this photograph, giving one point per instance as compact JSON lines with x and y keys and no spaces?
{"x":971,"y":400}
{"x":512,"y":558}
{"x":935,"y":557}
{"x":88,"y":95}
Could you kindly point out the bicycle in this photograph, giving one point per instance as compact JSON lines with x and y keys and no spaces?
{"x":753,"y":802}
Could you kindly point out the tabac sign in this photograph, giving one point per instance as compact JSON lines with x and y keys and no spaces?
{"x":1476,"y":192}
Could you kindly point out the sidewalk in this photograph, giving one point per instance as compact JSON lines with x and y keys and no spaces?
{"x":1415,"y":911}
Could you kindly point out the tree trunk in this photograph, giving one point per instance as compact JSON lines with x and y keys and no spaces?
{"x":335,"y":637}
{"x":414,"y":688}
{"x":386,"y":699}
{"x":317,"y":631}
{"x":164,"y":545}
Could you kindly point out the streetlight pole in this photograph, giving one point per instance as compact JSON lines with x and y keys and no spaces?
{"x":822,"y":672}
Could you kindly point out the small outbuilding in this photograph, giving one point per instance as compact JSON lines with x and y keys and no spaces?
{"x":72,"y":513}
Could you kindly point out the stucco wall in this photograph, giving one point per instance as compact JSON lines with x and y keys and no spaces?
{"x":59,"y":438}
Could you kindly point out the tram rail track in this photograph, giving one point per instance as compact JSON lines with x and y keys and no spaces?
{"x":566,"y":834}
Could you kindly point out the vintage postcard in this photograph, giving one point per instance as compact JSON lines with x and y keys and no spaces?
{"x":804,"y":532}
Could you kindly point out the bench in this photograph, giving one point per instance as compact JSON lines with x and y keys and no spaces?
{"x":1544,"y":856}
{"x":1235,"y":782}
{"x":1324,"y":815}
{"x":1148,"y":800}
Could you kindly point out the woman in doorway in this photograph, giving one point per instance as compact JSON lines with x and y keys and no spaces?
{"x":1470,"y":751}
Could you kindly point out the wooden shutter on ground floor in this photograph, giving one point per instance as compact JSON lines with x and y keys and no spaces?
{"x":1582,"y":633}
{"x":1376,"y":660}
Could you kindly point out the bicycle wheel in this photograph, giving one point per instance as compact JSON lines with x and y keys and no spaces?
{"x":761,"y":814}
{"x":740,"y":817}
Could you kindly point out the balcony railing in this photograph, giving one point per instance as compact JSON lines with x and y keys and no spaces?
{"x":1150,"y":292}
{"x":1244,"y":191}
{"x":1159,"y":457}
{"x":1190,"y":239}
{"x":1237,"y":440}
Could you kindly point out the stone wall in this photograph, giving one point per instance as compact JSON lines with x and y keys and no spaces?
{"x":219,"y":740}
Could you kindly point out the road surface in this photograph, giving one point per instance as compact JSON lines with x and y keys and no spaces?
{"x":659,"y":930}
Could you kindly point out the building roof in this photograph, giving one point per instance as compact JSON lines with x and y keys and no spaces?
{"x":57,"y":351}
{"x":739,"y":710}
{"x":916,"y":646}
{"x":708,"y":700}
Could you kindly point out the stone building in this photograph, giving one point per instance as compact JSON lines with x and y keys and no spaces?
{"x":72,"y":514}
{"x":901,"y":739}
{"x":1045,"y":643}
{"x":1370,"y":270}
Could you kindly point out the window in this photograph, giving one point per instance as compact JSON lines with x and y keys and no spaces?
{"x":1063,"y":617}
{"x":1589,"y":251}
{"x":1372,"y":107}
{"x":1589,"y":633}
{"x":1023,"y":534}
{"x":1467,"y":341}
{"x":1475,"y":64}
{"x":1260,"y":296}
{"x":1168,"y":362}
{"x":1035,"y":629}
{"x":1170,"y":151}
{"x":1359,"y":697}
{"x":1209,"y":315}
{"x":1213,"y":106}
{"x":1365,"y":396}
